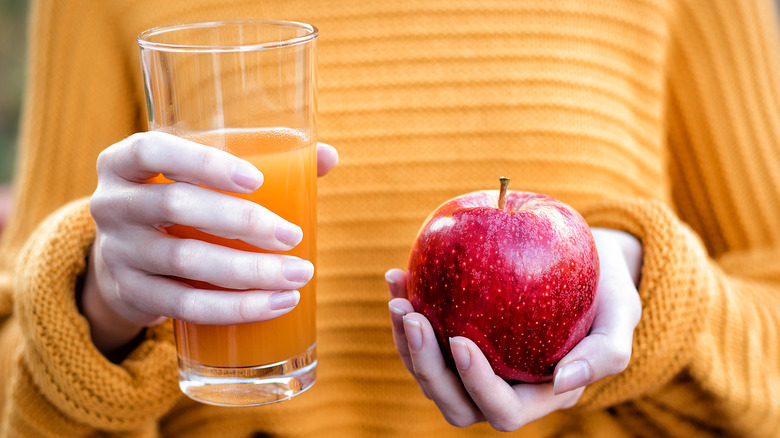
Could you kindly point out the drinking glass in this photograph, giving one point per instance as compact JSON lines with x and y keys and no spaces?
{"x":247,"y":87}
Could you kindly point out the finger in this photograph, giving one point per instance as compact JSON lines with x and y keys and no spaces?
{"x":186,"y":204}
{"x":437,"y":382}
{"x":396,"y":283}
{"x":606,"y":350}
{"x":506,"y":408}
{"x":399,"y":307}
{"x":327,"y":158}
{"x":177,"y":300}
{"x":493,"y":396}
{"x":145,"y":155}
{"x":219,"y":265}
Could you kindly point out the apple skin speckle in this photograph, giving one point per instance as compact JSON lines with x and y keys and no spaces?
{"x":519,"y":282}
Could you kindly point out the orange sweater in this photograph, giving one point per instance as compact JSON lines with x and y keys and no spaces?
{"x":654,"y":117}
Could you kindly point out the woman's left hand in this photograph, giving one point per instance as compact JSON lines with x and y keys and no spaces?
{"x":474,"y":394}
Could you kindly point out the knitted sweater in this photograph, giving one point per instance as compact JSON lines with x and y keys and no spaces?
{"x":656,"y":117}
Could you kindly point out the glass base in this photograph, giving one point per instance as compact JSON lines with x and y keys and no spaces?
{"x":249,"y":386}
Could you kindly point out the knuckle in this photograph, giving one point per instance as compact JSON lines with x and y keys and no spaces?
{"x":138,"y":146}
{"x":110,"y":248}
{"x":620,"y":357}
{"x":457,"y":420}
{"x":256,"y":221}
{"x":266,"y":270}
{"x":205,"y":159}
{"x":250,"y":218}
{"x":235,"y":269}
{"x":180,"y":258}
{"x":187,"y":307}
{"x":126,"y":298}
{"x":108,"y":155}
{"x":615,"y":355}
{"x":247,"y":310}
{"x":622,"y":360}
{"x":111,"y":258}
{"x":99,"y":205}
{"x":424,"y":377}
{"x":103,"y":159}
{"x":123,"y":290}
{"x":174,"y":201}
{"x":505,"y":424}
{"x":107,"y":206}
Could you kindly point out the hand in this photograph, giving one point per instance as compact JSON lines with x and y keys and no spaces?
{"x":129,"y":282}
{"x":474,"y":394}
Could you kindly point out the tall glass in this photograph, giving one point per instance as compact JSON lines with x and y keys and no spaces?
{"x":247,"y":87}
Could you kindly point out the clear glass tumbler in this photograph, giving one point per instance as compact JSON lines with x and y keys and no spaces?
{"x":247,"y":87}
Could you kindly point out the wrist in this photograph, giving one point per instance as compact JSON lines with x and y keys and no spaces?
{"x":112,"y":335}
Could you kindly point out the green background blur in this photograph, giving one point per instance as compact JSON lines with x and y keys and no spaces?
{"x":13,"y":25}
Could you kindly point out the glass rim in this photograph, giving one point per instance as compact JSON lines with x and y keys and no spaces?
{"x":144,"y":42}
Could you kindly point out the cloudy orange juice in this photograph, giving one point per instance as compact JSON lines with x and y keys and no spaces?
{"x":287,"y":159}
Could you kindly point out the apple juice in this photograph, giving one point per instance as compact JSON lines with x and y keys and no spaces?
{"x":287,"y":160}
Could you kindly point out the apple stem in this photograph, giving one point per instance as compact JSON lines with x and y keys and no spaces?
{"x":502,"y":193}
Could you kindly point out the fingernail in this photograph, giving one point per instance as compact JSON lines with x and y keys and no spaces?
{"x":287,"y":233}
{"x":247,"y":176}
{"x":413,"y":330}
{"x":297,"y":270}
{"x":396,"y":310}
{"x":284,"y":300}
{"x":572,"y":376}
{"x":460,"y":352}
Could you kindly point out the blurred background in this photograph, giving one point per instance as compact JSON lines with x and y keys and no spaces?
{"x":13,"y":25}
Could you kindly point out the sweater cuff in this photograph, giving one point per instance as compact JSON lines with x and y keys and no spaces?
{"x":673,"y":291}
{"x":63,"y":363}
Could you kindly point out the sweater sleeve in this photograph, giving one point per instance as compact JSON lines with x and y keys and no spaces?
{"x":82,"y":95}
{"x":710,"y":285}
{"x":714,"y":320}
{"x":674,"y":290}
{"x":60,"y":375}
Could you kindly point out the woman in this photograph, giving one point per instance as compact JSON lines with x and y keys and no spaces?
{"x":655,"y":120}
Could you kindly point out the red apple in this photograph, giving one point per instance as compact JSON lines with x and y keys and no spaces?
{"x":515,"y":272}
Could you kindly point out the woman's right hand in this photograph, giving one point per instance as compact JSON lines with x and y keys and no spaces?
{"x":130,"y":280}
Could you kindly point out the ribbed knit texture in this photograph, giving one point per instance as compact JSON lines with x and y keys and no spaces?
{"x":654,"y":117}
